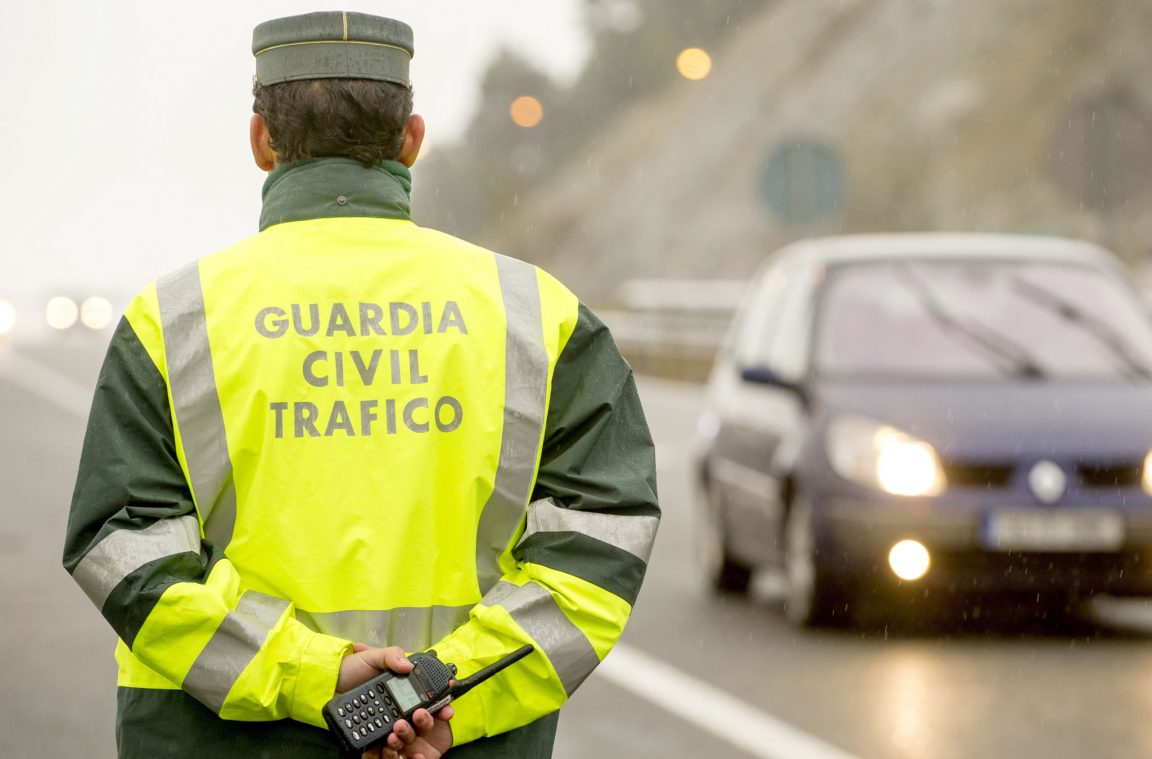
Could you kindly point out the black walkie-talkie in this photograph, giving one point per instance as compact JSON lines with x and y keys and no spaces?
{"x":365,"y":715}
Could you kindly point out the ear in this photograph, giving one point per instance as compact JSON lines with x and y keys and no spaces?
{"x":261,"y":141}
{"x":413,"y":139}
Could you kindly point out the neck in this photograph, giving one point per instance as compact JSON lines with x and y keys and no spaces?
{"x":318,"y":188}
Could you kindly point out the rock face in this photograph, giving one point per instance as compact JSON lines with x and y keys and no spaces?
{"x":830,"y":116}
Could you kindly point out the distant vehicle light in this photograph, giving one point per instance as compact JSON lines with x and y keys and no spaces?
{"x":909,"y":560}
{"x":693,"y":63}
{"x":96,"y":313}
{"x":7,"y":317}
{"x":526,"y":111}
{"x":62,"y":312}
{"x":1146,"y":480}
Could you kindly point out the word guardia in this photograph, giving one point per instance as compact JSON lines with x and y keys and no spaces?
{"x":402,"y":319}
{"x":330,"y":371}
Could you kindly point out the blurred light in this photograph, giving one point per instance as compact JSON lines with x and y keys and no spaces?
{"x":62,"y":312}
{"x":693,"y":63}
{"x":526,"y":111}
{"x":7,"y":317}
{"x":908,"y":467}
{"x":864,"y":450}
{"x":96,"y":313}
{"x":1147,"y":479}
{"x":909,"y":560}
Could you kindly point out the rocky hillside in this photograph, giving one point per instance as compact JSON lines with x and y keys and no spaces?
{"x":828,"y":116}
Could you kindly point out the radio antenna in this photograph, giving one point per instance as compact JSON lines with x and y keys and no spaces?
{"x":470,"y":682}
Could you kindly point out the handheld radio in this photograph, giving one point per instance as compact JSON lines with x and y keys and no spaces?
{"x":365,"y":716}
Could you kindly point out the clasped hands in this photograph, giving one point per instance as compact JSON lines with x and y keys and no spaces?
{"x":428,"y":737}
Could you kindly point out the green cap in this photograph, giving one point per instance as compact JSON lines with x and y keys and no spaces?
{"x":332,"y":44}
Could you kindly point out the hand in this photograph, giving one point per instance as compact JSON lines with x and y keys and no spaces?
{"x":365,"y":663}
{"x":430,"y":739}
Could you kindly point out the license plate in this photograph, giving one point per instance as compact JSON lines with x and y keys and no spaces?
{"x":1050,"y":530}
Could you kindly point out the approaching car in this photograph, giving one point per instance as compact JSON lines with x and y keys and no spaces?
{"x":969,"y":413}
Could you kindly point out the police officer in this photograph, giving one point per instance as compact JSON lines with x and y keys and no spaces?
{"x":348,"y":437}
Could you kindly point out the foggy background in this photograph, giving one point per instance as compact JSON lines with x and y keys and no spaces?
{"x":126,"y":149}
{"x":125,"y":124}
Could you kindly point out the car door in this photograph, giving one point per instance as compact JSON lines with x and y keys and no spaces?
{"x":759,"y":422}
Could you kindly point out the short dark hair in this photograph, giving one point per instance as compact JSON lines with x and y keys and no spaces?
{"x":361,"y":119}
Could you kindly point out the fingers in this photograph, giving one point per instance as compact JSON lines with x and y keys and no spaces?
{"x":446,"y":713}
{"x":396,"y":661}
{"x":402,"y":735}
{"x":392,"y":658}
{"x":361,"y":648}
{"x":422,"y":721}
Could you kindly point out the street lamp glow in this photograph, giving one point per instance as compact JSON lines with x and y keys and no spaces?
{"x":526,"y":111}
{"x":7,"y":317}
{"x":96,"y":313}
{"x":909,"y":560}
{"x":62,"y":312}
{"x":693,"y":63}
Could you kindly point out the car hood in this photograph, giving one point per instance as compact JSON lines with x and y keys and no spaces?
{"x":1007,"y":419}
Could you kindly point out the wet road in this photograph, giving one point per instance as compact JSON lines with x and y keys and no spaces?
{"x":949,"y":688}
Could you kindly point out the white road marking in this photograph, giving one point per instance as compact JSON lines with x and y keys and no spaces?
{"x":755,"y":732}
{"x":61,"y":391}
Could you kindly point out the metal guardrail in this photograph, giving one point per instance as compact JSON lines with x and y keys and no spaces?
{"x":673,"y":327}
{"x":677,"y":345}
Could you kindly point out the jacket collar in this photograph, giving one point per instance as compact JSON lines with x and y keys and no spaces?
{"x":327,"y":187}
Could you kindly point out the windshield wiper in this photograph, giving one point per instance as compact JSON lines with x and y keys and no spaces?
{"x":1104,"y":333}
{"x":993,"y":342}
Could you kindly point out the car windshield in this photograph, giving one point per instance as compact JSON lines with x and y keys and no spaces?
{"x":980,"y":320}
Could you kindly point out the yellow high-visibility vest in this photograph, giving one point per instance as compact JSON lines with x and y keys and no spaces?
{"x":358,"y":407}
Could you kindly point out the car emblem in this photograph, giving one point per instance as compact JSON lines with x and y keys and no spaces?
{"x":1048,"y":481}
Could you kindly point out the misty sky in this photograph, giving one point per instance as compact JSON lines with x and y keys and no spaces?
{"x":124,"y":146}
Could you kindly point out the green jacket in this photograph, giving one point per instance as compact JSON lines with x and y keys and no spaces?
{"x":236,"y":511}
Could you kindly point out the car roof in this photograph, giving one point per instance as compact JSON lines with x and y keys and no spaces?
{"x":846,"y":249}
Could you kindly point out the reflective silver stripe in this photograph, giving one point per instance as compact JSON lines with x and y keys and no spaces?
{"x":525,"y":397}
{"x":122,"y":552}
{"x":634,"y":534}
{"x":412,"y":629}
{"x":234,"y":644}
{"x":565,"y":645}
{"x":196,"y":402}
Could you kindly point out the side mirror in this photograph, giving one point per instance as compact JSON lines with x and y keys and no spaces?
{"x":765,"y":375}
{"x":762,"y":375}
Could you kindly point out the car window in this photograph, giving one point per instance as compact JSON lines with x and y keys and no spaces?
{"x":758,"y":316}
{"x":777,"y":338}
{"x":981,"y":320}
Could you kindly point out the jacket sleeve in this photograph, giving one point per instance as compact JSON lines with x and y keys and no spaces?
{"x":583,"y":550}
{"x":134,"y":545}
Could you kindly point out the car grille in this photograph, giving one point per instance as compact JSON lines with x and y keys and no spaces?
{"x":977,"y":475}
{"x":1121,"y":475}
{"x":1092,"y":476}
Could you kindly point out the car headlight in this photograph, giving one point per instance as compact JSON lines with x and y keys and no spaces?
{"x":1146,"y":480}
{"x":875,"y":454}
